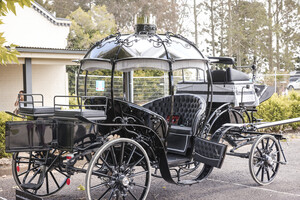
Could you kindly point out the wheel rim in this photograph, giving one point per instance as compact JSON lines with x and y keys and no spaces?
{"x":264,"y":160}
{"x":120,"y":169}
{"x":32,"y":167}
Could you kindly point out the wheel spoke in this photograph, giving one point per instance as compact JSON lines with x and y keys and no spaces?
{"x":273,"y":170}
{"x":257,"y":157}
{"x":262,"y":144}
{"x":132,"y":194}
{"x":138,"y":185}
{"x":262,"y":174}
{"x":52,"y":163}
{"x":101,"y":174}
{"x":107,"y":165}
{"x":27,"y":171}
{"x":22,"y":162}
{"x":34,"y":175}
{"x":258,"y":164}
{"x":131,"y":154}
{"x":258,"y":171}
{"x":111,"y":195}
{"x":55,"y":181}
{"x":272,"y":145}
{"x":138,"y":174}
{"x":135,"y":164}
{"x":259,"y":151}
{"x":104,"y":193}
{"x":30,"y":160}
{"x":122,"y":153}
{"x":113,"y":154}
{"x":47,"y":183}
{"x":99,"y":185}
{"x":62,"y":173}
{"x":267,"y":144}
{"x":277,"y":162}
{"x":268,"y":175}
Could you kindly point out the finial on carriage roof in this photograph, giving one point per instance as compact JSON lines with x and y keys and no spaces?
{"x":145,"y":28}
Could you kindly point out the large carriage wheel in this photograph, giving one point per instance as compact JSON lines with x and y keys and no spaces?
{"x":120,"y":169}
{"x":40,"y":172}
{"x":264,"y":159}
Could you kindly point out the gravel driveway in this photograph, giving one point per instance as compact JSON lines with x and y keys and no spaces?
{"x":232,"y":182}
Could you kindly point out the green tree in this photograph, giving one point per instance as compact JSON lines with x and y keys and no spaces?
{"x":290,"y":33}
{"x":165,"y":11}
{"x":8,"y":55}
{"x":89,"y":27}
{"x":63,"y":8}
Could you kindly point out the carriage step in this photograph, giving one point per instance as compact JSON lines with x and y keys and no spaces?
{"x":188,"y":182}
{"x":175,"y":160}
{"x":31,"y":186}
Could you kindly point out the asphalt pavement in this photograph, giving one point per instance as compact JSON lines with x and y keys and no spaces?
{"x":233,"y":181}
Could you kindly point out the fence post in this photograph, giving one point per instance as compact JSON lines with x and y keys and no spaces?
{"x":75,"y":83}
{"x":275,"y":70}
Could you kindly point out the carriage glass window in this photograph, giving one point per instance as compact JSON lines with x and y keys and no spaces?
{"x":149,"y":85}
{"x":98,"y":83}
{"x":193,"y":75}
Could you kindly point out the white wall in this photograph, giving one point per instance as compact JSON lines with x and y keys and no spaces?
{"x":30,"y":28}
{"x":11,"y":82}
{"x":49,"y":80}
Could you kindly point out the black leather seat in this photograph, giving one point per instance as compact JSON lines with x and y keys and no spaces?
{"x":87,"y":113}
{"x":190,"y":110}
{"x":38,"y":111}
{"x":186,"y":107}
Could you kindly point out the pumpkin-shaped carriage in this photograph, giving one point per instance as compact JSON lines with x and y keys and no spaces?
{"x":179,"y":138}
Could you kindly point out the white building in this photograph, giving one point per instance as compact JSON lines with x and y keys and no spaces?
{"x":41,"y":40}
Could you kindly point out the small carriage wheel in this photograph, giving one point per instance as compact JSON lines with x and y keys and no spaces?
{"x":36,"y":175}
{"x":120,"y":169}
{"x":264,"y":159}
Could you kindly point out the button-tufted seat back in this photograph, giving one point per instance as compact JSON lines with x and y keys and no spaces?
{"x":186,"y":106}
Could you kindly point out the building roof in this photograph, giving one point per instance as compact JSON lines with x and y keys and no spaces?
{"x":50,"y":50}
{"x":57,"y":21}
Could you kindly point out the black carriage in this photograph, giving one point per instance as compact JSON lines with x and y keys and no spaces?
{"x":179,"y":138}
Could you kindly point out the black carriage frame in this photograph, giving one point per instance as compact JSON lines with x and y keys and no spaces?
{"x":144,"y":129}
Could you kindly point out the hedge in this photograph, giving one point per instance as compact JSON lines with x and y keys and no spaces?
{"x":280,"y":108}
{"x":3,"y":118}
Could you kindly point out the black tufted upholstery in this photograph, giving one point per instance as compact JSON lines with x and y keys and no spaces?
{"x":186,"y":107}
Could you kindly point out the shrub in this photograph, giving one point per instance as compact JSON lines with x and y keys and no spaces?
{"x":280,"y":108}
{"x":3,"y":118}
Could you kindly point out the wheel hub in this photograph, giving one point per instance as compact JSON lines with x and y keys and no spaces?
{"x":124,"y":180}
{"x":269,"y":160}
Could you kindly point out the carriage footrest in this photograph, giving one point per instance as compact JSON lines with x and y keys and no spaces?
{"x":31,"y":186}
{"x":210,"y":153}
{"x":21,"y":195}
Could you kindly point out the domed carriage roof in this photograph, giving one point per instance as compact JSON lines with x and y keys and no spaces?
{"x":143,"y":50}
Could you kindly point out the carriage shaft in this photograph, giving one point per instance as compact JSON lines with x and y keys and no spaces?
{"x":277,"y":123}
